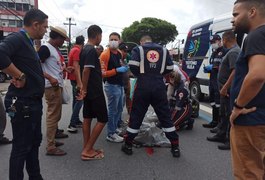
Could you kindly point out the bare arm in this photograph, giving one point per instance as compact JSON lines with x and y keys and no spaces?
{"x":77,"y":74}
{"x":253,"y":81}
{"x":85,"y":78}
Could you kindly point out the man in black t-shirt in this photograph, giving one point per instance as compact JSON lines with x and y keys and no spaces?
{"x":94,"y":99}
{"x":23,"y":101}
{"x":247,"y":120}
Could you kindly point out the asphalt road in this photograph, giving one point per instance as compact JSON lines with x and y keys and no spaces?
{"x":200,"y":159}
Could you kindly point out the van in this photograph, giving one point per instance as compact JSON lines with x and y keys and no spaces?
{"x":197,"y":51}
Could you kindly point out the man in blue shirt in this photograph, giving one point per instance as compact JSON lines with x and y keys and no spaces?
{"x":248,"y":92}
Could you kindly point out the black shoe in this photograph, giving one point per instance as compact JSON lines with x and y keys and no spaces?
{"x":216,"y":138}
{"x":190,"y":124}
{"x":59,"y":131}
{"x":127,"y":148}
{"x":209,"y":125}
{"x":175,"y":151}
{"x":215,"y":130}
{"x":225,"y":146}
{"x":59,"y":135}
{"x":4,"y":140}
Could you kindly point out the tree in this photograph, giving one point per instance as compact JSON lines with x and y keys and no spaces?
{"x":161,"y":31}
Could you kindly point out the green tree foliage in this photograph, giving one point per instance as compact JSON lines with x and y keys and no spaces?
{"x":161,"y":31}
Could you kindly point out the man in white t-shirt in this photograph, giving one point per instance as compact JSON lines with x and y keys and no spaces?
{"x":53,"y":67}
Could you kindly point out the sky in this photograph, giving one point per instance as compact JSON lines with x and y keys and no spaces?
{"x":115,"y":15}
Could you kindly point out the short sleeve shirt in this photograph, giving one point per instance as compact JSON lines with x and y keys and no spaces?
{"x":73,"y":56}
{"x":89,"y":59}
{"x":253,"y":45}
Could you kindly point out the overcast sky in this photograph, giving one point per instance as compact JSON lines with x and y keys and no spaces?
{"x":114,"y":15}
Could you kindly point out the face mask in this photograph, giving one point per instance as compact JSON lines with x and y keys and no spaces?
{"x":215,"y":46}
{"x":114,"y":44}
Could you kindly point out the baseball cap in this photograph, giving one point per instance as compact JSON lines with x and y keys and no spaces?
{"x":214,"y":37}
{"x":123,"y":46}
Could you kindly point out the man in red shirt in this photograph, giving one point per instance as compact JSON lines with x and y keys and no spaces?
{"x":76,"y":83}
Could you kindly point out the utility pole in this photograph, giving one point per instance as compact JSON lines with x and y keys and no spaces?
{"x":69,"y":24}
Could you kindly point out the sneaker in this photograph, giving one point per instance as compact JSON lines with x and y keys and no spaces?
{"x":127,"y":148}
{"x":79,"y":124}
{"x":57,"y":143}
{"x":114,"y":138}
{"x":59,"y":130}
{"x":175,"y":151}
{"x":59,"y":135}
{"x":72,"y":129}
{"x":118,"y":131}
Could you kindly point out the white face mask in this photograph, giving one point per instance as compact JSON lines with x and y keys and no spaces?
{"x":113,"y":44}
{"x":215,"y":46}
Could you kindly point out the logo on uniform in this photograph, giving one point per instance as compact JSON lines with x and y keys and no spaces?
{"x":220,"y":53}
{"x":152,"y":56}
{"x":181,"y":95}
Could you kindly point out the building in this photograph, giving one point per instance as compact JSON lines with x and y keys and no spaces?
{"x":12,"y":13}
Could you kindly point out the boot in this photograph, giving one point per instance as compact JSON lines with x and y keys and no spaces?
{"x":225,"y":146}
{"x":175,"y":151}
{"x":215,"y":115}
{"x":190,"y":124}
{"x":127,"y":148}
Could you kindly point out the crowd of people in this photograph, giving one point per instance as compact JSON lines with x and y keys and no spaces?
{"x":100,"y":84}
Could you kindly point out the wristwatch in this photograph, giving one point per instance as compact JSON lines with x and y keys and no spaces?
{"x":21,"y":77}
{"x":237,"y":106}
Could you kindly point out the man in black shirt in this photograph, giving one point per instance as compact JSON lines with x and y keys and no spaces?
{"x":23,"y":100}
{"x":94,"y":101}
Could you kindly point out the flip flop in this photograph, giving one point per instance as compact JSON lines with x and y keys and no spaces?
{"x":97,"y":156}
{"x":99,"y":151}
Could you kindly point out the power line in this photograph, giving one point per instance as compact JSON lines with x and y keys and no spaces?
{"x":59,"y":8}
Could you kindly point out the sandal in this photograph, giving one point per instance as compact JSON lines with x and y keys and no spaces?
{"x":97,"y":156}
{"x":56,"y":152}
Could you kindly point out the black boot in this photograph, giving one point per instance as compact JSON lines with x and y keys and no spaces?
{"x":215,"y":120}
{"x":127,"y":148}
{"x":225,"y":146}
{"x":190,"y":124}
{"x":175,"y":151}
{"x":217,"y":138}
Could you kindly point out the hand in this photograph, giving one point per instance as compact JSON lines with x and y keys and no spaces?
{"x":122,"y":69}
{"x":69,"y":69}
{"x":223,"y":92}
{"x":236,"y":112}
{"x":54,"y":82}
{"x":18,"y":83}
{"x":208,"y":68}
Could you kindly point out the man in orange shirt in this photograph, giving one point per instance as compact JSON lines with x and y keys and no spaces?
{"x":76,"y":83}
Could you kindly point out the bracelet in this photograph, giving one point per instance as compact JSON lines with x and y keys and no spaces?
{"x":21,"y":77}
{"x":237,"y":106}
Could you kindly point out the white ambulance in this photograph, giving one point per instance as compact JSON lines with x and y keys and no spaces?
{"x":197,"y":51}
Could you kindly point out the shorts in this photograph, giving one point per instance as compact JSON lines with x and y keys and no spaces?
{"x":96,"y":108}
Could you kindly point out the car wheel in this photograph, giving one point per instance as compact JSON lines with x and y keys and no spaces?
{"x":2,"y":77}
{"x":195,"y":90}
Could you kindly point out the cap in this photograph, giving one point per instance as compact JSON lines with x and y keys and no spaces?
{"x":60,"y":31}
{"x":123,"y":46}
{"x":214,"y":37}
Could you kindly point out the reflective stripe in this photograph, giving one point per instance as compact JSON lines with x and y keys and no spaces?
{"x":171,"y":129}
{"x":170,"y":67}
{"x":134,"y":131}
{"x":141,"y":59}
{"x":212,"y":103}
{"x":217,"y":105}
{"x":134,"y":62}
{"x":163,"y":61}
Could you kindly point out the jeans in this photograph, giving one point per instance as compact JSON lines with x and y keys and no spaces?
{"x":114,"y":95}
{"x":27,"y":136}
{"x":76,"y":105}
